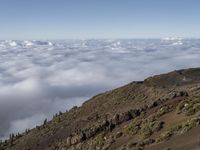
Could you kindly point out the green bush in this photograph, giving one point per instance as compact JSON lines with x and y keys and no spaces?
{"x":165,"y":136}
{"x":189,"y":106}
{"x":148,"y":128}
{"x":100,"y":143}
{"x":162,"y":111}
{"x":134,"y":126}
{"x":145,"y":128}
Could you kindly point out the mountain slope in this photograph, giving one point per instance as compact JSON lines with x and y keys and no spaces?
{"x":160,"y":112}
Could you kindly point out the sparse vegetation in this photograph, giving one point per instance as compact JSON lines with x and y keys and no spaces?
{"x":162,"y":111}
{"x":189,"y":106}
{"x":179,"y":129}
{"x":134,"y":126}
{"x":101,"y":142}
{"x":141,"y":145}
{"x":145,"y":128}
{"x":149,"y":127}
{"x":138,"y":147}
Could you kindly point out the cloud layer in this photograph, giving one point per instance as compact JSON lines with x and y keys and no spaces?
{"x":39,"y":78}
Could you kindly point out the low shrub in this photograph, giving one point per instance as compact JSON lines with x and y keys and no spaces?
{"x":162,"y":111}
{"x":148,"y":128}
{"x":144,"y":128}
{"x":179,"y":129}
{"x":134,"y":126}
{"x":189,"y":106}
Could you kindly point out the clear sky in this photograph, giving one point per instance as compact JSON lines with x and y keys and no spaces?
{"x":61,"y":19}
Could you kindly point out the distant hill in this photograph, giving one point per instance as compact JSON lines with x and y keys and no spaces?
{"x":159,"y":113}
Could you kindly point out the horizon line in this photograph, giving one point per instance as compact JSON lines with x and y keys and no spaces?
{"x":117,"y":38}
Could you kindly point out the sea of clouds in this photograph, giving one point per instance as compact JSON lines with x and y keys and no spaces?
{"x":40,"y":78}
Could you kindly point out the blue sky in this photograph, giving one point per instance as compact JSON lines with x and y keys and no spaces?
{"x":62,"y":19}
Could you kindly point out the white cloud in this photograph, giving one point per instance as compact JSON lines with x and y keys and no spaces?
{"x":39,"y":78}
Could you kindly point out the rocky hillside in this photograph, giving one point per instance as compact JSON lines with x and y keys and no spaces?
{"x":159,"y":113}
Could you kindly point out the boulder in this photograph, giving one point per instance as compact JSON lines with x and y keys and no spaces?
{"x":68,"y":141}
{"x":75,"y":139}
